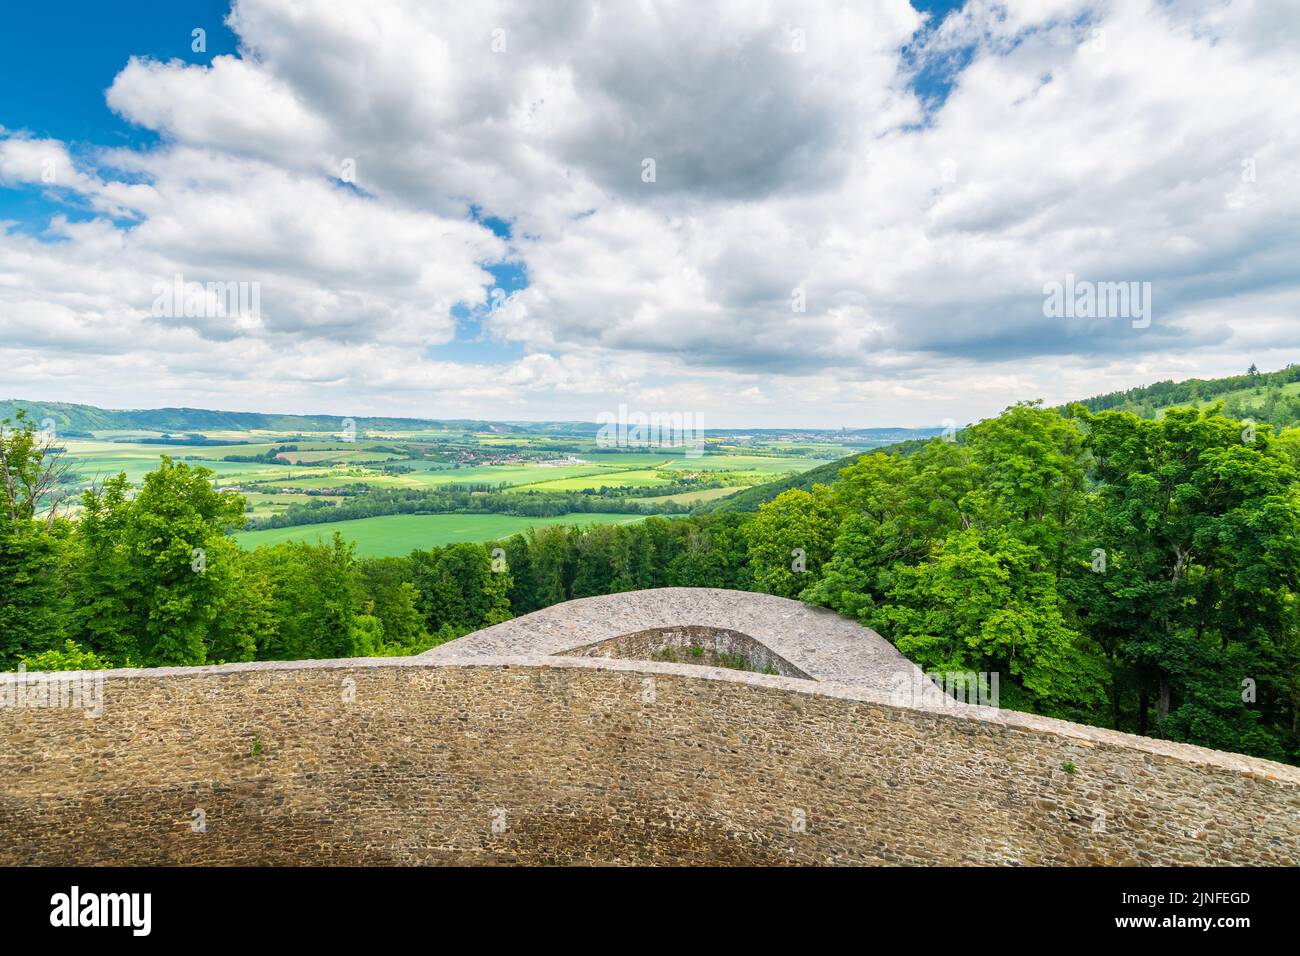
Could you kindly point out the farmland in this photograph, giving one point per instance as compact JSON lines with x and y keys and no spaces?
{"x":308,"y":476}
{"x":391,"y":485}
{"x":390,"y":535}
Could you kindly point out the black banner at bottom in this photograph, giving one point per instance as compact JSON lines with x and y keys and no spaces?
{"x":337,"y":905}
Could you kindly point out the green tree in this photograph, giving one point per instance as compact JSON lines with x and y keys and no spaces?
{"x":523,"y":592}
{"x":981,"y":603}
{"x":459,"y":591}
{"x":315,"y":596}
{"x":1200,"y":515}
{"x":897,"y":508}
{"x":32,"y":609}
{"x":1032,"y":478}
{"x":176,"y":543}
{"x":244,"y":612}
{"x":790,"y":539}
{"x":709,"y":552}
{"x":32,"y":470}
{"x":101,"y":576}
{"x":71,"y":656}
{"x":389,"y":586}
{"x":552,"y":565}
{"x":603,"y":560}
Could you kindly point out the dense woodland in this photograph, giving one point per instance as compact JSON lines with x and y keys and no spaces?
{"x":474,"y":499}
{"x":1261,"y":396}
{"x":1128,"y":572}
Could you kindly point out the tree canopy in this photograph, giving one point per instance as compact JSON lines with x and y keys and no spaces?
{"x":1129,"y":572}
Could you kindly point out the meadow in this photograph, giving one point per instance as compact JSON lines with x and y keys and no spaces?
{"x":290,"y":475}
{"x":392,"y":535}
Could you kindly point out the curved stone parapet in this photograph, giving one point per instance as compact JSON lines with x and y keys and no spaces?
{"x":692,"y":644}
{"x":462,"y":758}
{"x":814,"y":642}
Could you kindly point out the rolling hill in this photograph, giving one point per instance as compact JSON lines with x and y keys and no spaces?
{"x":751,"y":498}
{"x":1269,"y":396}
{"x":88,"y":418}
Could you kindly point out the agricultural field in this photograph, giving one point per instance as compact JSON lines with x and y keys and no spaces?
{"x":324,"y":465}
{"x":391,"y":535}
{"x":261,"y":505}
{"x":94,"y":461}
{"x":692,"y":497}
{"x":391,"y":490}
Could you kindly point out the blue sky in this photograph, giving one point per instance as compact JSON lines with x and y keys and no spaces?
{"x":57,"y":62}
{"x":96,"y":39}
{"x":934,"y":80}
{"x":63,"y":97}
{"x":916,"y":186}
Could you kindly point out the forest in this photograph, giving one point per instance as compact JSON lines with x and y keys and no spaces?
{"x":1127,"y":572}
{"x":1272,"y":397}
{"x":470,"y":499}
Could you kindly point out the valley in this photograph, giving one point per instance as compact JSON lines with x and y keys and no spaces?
{"x":392,"y":485}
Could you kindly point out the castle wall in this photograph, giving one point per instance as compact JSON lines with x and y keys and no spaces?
{"x":563,"y":760}
{"x":692,"y":644}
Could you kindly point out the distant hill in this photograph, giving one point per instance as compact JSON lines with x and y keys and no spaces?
{"x":1249,"y":391}
{"x":750,"y":498}
{"x":1272,"y":397}
{"x":69,"y":417}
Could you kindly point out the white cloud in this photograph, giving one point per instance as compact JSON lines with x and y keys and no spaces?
{"x":1127,"y":141}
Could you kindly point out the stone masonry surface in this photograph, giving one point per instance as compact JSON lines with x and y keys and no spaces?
{"x":690,"y":644}
{"x":815,"y":641}
{"x":492,"y":758}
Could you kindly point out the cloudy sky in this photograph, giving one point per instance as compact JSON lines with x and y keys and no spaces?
{"x":763,"y":213}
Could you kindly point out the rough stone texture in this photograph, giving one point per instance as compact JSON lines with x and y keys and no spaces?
{"x":563,"y":760}
{"x":703,"y":646}
{"x":814,"y":641}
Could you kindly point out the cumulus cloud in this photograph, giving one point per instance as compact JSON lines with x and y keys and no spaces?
{"x":852,"y":214}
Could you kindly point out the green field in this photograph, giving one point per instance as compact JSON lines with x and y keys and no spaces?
{"x":426,"y":459}
{"x":691,"y":497}
{"x":94,"y":461}
{"x":763,"y":464}
{"x":637,"y":478}
{"x":264,"y":504}
{"x":501,"y":474}
{"x":390,"y":535}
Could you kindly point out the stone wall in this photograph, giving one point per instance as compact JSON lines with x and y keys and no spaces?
{"x":689,"y":644}
{"x":568,"y":760}
{"x":815,"y":642}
